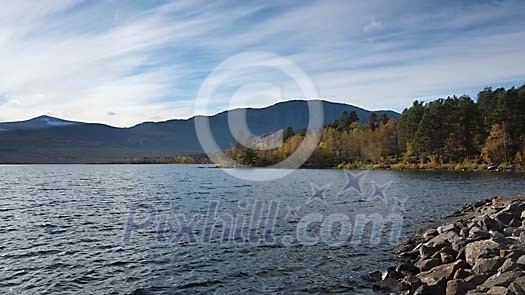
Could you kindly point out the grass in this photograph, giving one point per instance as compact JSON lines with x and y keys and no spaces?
{"x":432,"y":164}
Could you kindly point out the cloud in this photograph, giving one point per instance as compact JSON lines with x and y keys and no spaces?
{"x":372,"y":26}
{"x":146,"y":60}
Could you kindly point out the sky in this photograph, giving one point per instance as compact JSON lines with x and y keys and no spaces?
{"x":126,"y":62}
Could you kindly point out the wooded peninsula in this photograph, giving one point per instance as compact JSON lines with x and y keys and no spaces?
{"x":455,"y":133}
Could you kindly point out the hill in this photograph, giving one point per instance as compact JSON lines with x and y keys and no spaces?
{"x":52,"y":140}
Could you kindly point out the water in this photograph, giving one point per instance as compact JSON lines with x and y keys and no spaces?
{"x":62,"y":228}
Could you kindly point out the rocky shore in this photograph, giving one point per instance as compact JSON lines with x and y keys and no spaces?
{"x":478,"y":250}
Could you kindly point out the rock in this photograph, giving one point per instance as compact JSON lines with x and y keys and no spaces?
{"x":476,"y":233}
{"x":461,"y":286}
{"x":404,"y":246}
{"x":426,"y":251}
{"x":389,"y":284}
{"x":410,"y":283}
{"x":391,"y":273}
{"x":475,"y":280}
{"x":514,"y":252}
{"x":435,"y":246}
{"x":487,"y":265}
{"x":499,"y":291}
{"x":456,"y":287}
{"x":498,"y":237}
{"x":521,"y":260}
{"x":504,"y":252}
{"x":446,"y":228}
{"x":375,"y":276}
{"x":499,"y":202}
{"x":430,"y":233}
{"x":447,"y":250}
{"x":427,"y":264}
{"x":426,"y":289}
{"x":443,"y":240}
{"x":516,"y":232}
{"x":518,"y":286}
{"x":487,"y":223}
{"x":508,"y":231}
{"x":446,"y":258}
{"x":515,"y":222}
{"x":478,"y":249}
{"x":461,"y":274}
{"x":503,"y":279}
{"x":459,"y":244}
{"x":441,"y":272}
{"x":461,"y":254}
{"x":508,"y":265}
{"x":464,"y":231}
{"x":407,"y":268}
{"x":515,"y":209}
{"x":504,"y":217}
{"x":412,"y":254}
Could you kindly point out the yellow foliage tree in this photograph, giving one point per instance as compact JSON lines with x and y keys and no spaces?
{"x":409,"y":153}
{"x":494,"y":149}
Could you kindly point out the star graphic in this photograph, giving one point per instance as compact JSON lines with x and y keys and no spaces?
{"x":318,"y":193}
{"x":353,"y":181}
{"x":292,"y":212}
{"x":399,"y":204}
{"x":380,"y":191}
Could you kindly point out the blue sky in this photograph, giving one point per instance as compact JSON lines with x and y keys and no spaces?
{"x":124,"y":62}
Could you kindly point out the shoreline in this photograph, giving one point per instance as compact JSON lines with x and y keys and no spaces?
{"x":366,"y":167}
{"x":479,"y":249}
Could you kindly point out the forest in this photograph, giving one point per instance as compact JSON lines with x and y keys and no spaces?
{"x":456,"y":133}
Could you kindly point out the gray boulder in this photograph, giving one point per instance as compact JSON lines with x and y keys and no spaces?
{"x":441,"y":272}
{"x":456,"y":287}
{"x":462,"y":274}
{"x":499,"y":291}
{"x":446,"y":228}
{"x":500,"y":279}
{"x":508,"y":265}
{"x":521,"y":260}
{"x":487,"y":223}
{"x":427,"y":264}
{"x":476,"y":233}
{"x":487,"y":265}
{"x":483,"y":248}
{"x":426,"y":289}
{"x":518,"y":286}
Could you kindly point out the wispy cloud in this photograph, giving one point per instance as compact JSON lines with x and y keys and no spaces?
{"x":372,"y":26}
{"x":126,"y":62}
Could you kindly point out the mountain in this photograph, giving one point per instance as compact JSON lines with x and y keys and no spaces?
{"x":51,"y":140}
{"x":36,"y":123}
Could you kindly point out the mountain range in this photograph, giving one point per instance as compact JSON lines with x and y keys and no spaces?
{"x":47,"y":139}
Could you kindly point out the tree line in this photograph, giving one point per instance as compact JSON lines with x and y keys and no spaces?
{"x":453,"y":132}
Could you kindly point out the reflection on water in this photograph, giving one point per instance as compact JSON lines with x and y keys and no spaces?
{"x":62,"y":228}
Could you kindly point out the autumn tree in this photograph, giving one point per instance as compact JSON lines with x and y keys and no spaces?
{"x":494,"y":149}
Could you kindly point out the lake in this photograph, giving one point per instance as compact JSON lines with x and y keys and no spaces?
{"x":127,"y":229}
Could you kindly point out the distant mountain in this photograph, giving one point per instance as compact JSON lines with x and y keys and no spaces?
{"x":51,"y":140}
{"x":36,"y":123}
